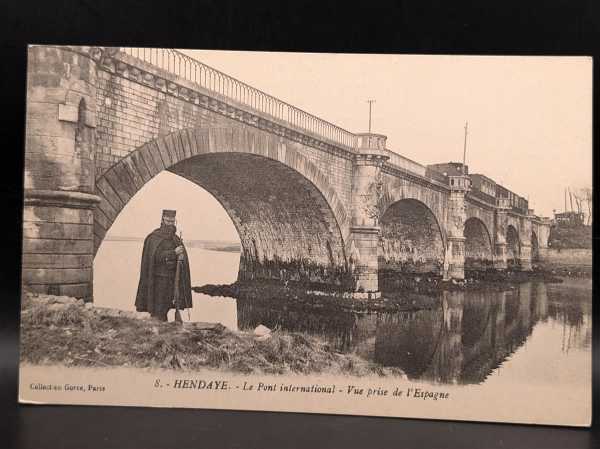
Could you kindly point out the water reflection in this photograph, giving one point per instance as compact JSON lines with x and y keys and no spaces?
{"x":535,"y":333}
{"x":463,"y":340}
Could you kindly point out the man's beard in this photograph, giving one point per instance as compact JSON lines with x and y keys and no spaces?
{"x":169,"y":228}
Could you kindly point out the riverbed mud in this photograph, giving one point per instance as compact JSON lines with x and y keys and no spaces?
{"x":400,"y":292}
{"x":296,"y":295}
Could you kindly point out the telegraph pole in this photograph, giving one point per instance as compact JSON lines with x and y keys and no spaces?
{"x":465,"y":147}
{"x":370,"y":104}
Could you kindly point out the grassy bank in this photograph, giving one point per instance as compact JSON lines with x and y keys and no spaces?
{"x":570,"y":237}
{"x":62,"y":330}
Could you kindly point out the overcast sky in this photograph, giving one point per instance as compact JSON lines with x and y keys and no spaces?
{"x":530,"y":121}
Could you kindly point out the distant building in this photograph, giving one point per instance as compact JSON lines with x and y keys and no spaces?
{"x":481,"y":186}
{"x":485,"y":186}
{"x":517,"y":203}
{"x":483,"y":183}
{"x":450,"y":168}
{"x":569,"y":218}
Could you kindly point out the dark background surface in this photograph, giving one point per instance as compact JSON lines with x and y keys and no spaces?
{"x":484,"y":27}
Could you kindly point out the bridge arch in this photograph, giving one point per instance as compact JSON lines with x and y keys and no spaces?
{"x":478,"y":245}
{"x":513,"y":247}
{"x":412,"y":240}
{"x":287,"y":214}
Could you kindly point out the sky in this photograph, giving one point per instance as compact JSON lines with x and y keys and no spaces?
{"x":530,"y":120}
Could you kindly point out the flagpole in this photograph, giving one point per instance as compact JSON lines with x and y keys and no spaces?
{"x":465,"y":147}
{"x":370,"y":104}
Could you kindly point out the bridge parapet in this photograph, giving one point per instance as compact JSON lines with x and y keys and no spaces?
{"x":369,"y":142}
{"x":176,"y":73}
{"x":179,"y":71}
{"x":404,"y":163}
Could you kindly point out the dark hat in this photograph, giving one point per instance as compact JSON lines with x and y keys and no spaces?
{"x":169,"y":213}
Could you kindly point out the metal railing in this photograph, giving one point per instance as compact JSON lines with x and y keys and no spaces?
{"x":405,"y":163}
{"x":230,"y":88}
{"x":213,"y":80}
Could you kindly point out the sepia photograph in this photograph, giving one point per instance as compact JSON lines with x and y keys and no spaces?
{"x":357,"y":234}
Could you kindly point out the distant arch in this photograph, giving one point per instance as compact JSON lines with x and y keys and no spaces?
{"x":478,"y":245}
{"x":433,"y":200}
{"x":411,"y":240}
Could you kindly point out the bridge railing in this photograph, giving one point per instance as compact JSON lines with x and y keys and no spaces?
{"x":406,"y":164}
{"x":228,"y":87}
{"x":213,"y":80}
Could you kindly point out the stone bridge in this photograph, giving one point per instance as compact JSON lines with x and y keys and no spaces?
{"x":311,"y":201}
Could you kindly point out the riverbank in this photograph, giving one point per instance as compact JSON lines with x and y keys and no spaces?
{"x":394,"y":284}
{"x":298,"y":296}
{"x":399,"y":292}
{"x":66,"y":331}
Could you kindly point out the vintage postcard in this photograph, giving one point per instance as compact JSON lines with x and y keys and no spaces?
{"x":387,"y":235}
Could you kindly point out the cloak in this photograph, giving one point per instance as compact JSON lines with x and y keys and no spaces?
{"x":146,"y":300}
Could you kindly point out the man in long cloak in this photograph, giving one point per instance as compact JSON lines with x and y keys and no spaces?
{"x":156,"y":288}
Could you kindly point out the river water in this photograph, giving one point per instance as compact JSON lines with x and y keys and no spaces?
{"x":535,"y":333}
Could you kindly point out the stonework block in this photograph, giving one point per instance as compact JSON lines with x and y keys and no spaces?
{"x":68,"y":113}
{"x":56,"y":275}
{"x":147,"y":154}
{"x":140,"y":165}
{"x":42,"y":120}
{"x":164,"y":152}
{"x":55,"y":214}
{"x":57,"y":261}
{"x":102,"y":219}
{"x":105,"y":190}
{"x":55,"y":246}
{"x":45,"y":230}
{"x":133,"y":172}
{"x":121,"y":184}
{"x":81,"y":290}
{"x":77,"y":290}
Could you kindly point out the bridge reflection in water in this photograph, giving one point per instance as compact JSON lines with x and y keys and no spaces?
{"x":462,"y":340}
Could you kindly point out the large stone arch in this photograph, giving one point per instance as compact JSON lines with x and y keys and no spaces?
{"x":412,"y":240}
{"x":287,"y":214}
{"x":478,"y":245}
{"x":513,"y":247}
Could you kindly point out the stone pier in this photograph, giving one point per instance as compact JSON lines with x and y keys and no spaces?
{"x":364,"y":229}
{"x":58,"y":243}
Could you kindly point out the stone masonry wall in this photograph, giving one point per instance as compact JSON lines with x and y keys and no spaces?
{"x":59,"y":172}
{"x":131,"y":114}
